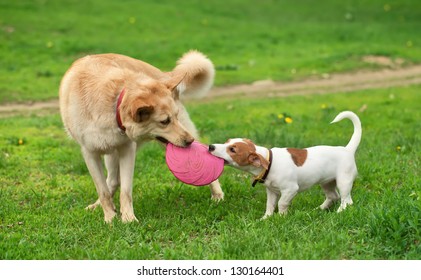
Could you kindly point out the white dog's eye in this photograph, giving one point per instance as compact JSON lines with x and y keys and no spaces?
{"x":232,"y":150}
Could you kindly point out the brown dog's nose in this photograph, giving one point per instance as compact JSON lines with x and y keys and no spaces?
{"x":212,"y":148}
{"x":188,"y":141}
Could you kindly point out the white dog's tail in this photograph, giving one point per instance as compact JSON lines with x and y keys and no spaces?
{"x":199,"y":74}
{"x":356,"y":136}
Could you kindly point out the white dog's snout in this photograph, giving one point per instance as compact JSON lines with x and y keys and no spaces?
{"x":217,"y":150}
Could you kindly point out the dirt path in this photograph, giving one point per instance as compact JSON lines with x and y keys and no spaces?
{"x":345,"y":82}
{"x":334,"y":83}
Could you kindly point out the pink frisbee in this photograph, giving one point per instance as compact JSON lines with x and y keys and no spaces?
{"x":193,"y":165}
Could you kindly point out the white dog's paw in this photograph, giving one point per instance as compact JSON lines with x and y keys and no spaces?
{"x":344,"y":204}
{"x":324,"y":206}
{"x":128,"y":218}
{"x":342,"y":208}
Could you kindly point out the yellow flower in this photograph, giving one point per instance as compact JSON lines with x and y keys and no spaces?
{"x":323,"y":106}
{"x":20,"y":142}
{"x":288,"y":120}
{"x":281,"y":116}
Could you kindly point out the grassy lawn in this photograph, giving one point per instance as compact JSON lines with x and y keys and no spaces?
{"x":248,"y":41}
{"x":45,"y":187}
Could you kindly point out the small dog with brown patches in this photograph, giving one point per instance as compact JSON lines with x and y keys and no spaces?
{"x":111,"y":104}
{"x":287,"y":171}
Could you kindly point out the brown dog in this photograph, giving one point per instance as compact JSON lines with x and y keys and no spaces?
{"x":111,"y":104}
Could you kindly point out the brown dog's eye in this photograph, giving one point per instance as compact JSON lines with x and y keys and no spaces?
{"x":232,"y":150}
{"x":166,"y":121}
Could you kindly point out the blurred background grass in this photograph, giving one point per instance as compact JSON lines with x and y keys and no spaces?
{"x":247,"y":40}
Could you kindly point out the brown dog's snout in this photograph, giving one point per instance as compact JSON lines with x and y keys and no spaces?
{"x":187,"y":142}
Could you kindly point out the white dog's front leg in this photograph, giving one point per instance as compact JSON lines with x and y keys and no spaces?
{"x":272,"y":198}
{"x":127,"y":161}
{"x":287,"y":195}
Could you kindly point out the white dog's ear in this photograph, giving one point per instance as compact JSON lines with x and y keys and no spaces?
{"x":258,"y":161}
{"x":175,"y":85}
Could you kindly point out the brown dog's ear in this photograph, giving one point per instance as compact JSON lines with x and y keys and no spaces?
{"x":141,"y":111}
{"x":258,"y":161}
{"x":172,"y":84}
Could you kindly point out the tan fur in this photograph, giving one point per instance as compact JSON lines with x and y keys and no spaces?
{"x":150,"y":109}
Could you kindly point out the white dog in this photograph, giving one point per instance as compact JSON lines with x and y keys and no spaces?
{"x":111,"y":104}
{"x":287,"y":171}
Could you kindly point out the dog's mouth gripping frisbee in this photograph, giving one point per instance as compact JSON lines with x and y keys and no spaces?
{"x":193,"y":165}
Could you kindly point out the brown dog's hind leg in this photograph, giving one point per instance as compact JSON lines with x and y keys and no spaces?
{"x":94,"y":164}
{"x":113,"y":177}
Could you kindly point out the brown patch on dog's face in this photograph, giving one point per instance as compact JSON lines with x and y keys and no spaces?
{"x":299,"y":156}
{"x":240,"y":152}
{"x":249,"y":142}
{"x":150,"y":112}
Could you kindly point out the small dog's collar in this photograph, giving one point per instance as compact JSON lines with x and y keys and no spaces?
{"x":262,"y":176}
{"x":117,"y":113}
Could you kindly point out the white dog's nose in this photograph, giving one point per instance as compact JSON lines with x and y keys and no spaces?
{"x":212,"y":148}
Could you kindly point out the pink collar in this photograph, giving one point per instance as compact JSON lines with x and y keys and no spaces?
{"x":117,"y":114}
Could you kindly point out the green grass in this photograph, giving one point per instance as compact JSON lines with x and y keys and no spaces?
{"x":248,"y":41}
{"x":44,"y":187}
{"x":44,"y":184}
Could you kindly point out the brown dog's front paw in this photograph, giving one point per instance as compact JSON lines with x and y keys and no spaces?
{"x":108,"y":217}
{"x":217,"y":197}
{"x":93,"y":205}
{"x":128,"y":218}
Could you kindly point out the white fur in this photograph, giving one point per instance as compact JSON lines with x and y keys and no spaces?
{"x":331,"y":167}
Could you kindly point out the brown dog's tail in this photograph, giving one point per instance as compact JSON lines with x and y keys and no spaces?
{"x":199,"y":74}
